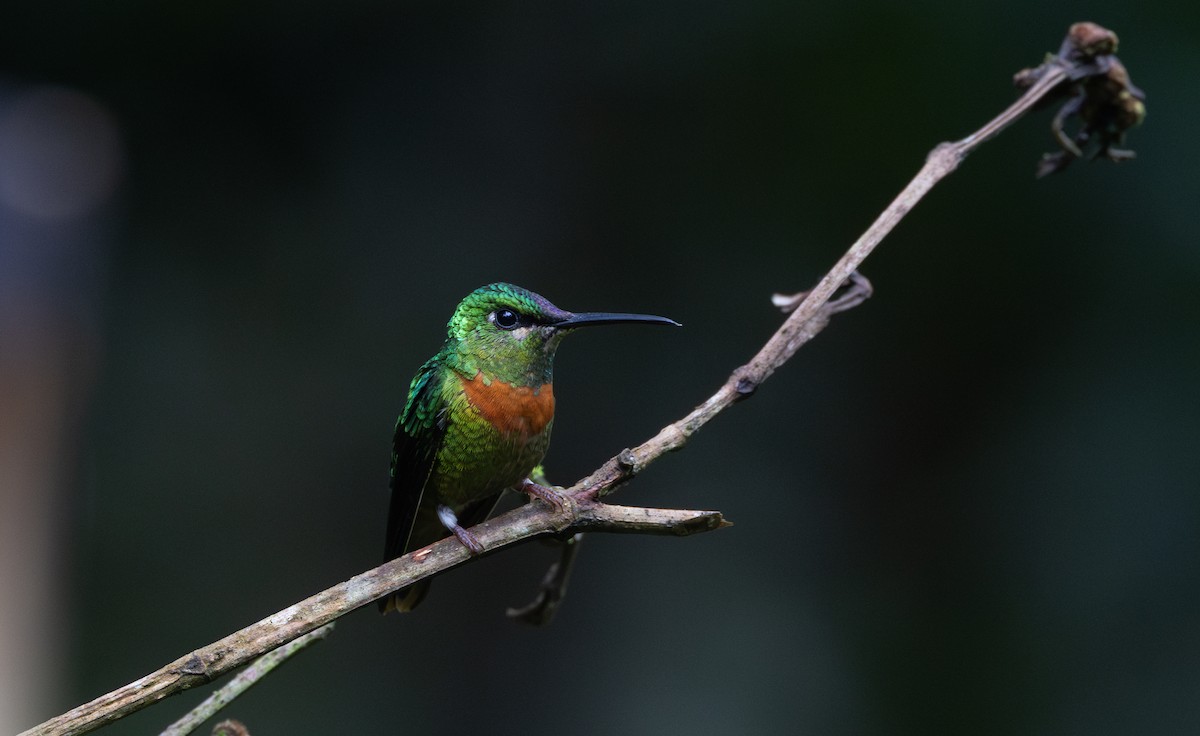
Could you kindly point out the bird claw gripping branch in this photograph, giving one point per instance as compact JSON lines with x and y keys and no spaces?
{"x":553,"y":498}
{"x":1097,"y":91}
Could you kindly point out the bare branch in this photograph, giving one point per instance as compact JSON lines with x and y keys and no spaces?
{"x":220,"y":657}
{"x":582,"y":510}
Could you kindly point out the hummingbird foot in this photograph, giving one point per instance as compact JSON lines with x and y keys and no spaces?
{"x":449,"y":520}
{"x":550,"y":496}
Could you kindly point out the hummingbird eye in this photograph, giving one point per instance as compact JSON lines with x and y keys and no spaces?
{"x":505,"y":319}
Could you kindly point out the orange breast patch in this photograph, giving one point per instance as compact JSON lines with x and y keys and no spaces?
{"x":512,"y":409}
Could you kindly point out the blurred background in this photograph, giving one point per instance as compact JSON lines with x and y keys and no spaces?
{"x":229,"y":234}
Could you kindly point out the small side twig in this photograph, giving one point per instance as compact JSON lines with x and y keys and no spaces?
{"x":256,"y":670}
{"x":553,"y":588}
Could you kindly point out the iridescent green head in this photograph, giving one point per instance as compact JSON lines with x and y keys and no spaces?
{"x":511,"y":333}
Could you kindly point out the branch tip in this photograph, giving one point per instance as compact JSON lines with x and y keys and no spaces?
{"x":707,"y":522}
{"x":1095,"y":89}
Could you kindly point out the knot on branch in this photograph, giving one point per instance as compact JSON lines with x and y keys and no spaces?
{"x":195,"y":666}
{"x":745,"y":382}
{"x":627,"y":463}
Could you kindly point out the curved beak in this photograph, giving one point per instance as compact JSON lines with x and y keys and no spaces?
{"x":587,"y":319}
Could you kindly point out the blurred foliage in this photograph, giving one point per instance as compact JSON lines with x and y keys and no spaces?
{"x":970,"y":505}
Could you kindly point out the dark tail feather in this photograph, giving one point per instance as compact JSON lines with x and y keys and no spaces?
{"x":427,"y":529}
{"x":405,"y":599}
{"x":420,"y":529}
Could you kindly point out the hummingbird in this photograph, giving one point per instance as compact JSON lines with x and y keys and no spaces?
{"x":477,"y":420}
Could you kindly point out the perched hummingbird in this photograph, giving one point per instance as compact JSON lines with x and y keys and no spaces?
{"x":478,"y":420}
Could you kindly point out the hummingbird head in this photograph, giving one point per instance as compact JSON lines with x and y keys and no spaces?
{"x":511,"y":333}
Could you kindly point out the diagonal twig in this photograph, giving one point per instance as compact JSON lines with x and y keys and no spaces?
{"x":241,"y":682}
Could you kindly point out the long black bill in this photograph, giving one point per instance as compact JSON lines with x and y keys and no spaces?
{"x":587,"y":319}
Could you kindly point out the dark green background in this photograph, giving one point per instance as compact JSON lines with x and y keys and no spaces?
{"x":969,"y":506}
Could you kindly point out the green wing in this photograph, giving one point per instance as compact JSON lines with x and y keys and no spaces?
{"x":419,"y":433}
